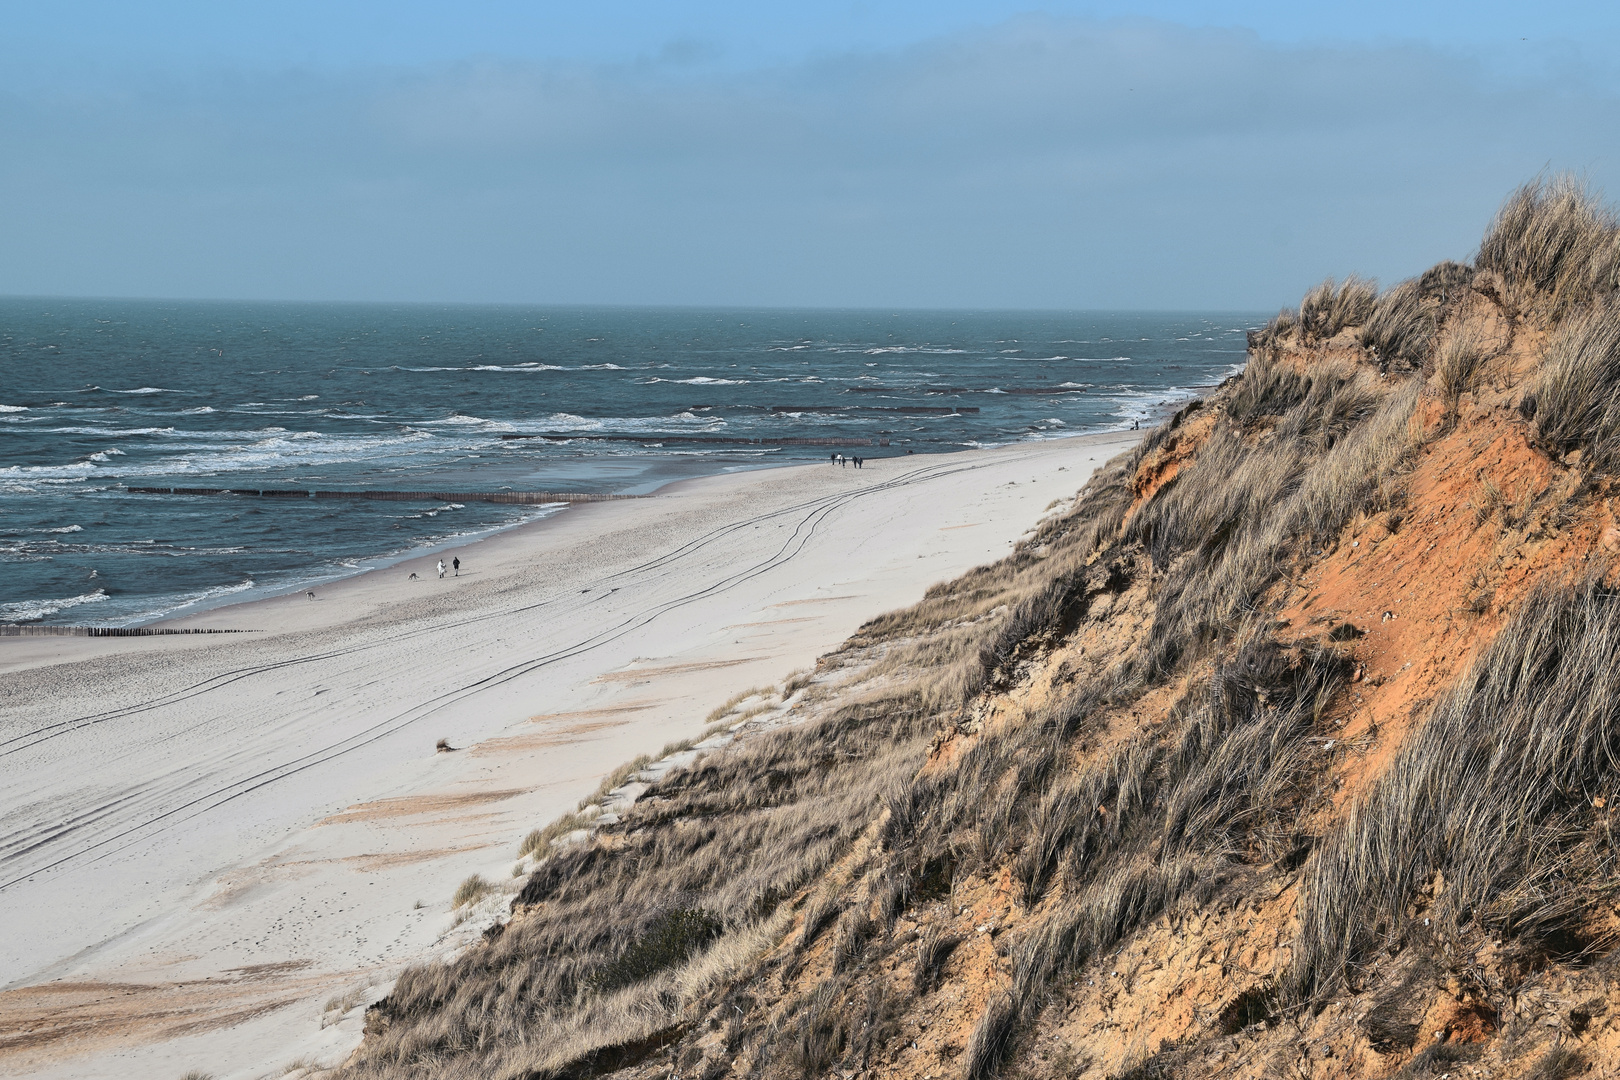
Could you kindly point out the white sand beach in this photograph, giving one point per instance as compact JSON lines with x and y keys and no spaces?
{"x":207,"y":838}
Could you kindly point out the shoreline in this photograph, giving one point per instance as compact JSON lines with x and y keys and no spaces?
{"x":251,"y":802}
{"x":228,"y":597}
{"x":544,"y":512}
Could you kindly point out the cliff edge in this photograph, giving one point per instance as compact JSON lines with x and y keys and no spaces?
{"x":1289,"y":748}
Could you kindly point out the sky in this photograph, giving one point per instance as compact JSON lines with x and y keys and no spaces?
{"x":952,"y":154}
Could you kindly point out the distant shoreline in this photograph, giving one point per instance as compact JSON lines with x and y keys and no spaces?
{"x":547,"y":513}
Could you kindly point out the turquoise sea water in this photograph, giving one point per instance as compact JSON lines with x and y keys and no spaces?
{"x":100,"y":396}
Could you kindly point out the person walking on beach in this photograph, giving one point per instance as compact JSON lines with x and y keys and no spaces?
{"x":441,"y":568}
{"x":456,"y":562}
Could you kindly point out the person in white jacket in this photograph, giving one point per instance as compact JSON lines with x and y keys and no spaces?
{"x":441,"y":568}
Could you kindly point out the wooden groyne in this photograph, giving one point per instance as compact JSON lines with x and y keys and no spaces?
{"x":522,"y":497}
{"x":14,"y":630}
{"x":917,"y":410}
{"x":702,"y":440}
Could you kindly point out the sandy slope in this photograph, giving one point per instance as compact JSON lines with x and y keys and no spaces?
{"x":207,"y":838}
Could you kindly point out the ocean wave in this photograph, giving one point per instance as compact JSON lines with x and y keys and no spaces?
{"x":35,"y":550}
{"x":143,"y":390}
{"x":117,"y":432}
{"x":13,"y":408}
{"x":46,"y":472}
{"x":63,"y":530}
{"x":437,"y":510}
{"x":106,"y":455}
{"x":732,"y":451}
{"x":528,"y":367}
{"x":584,"y":427}
{"x":1133,"y":405}
{"x":170,"y":605}
{"x":200,"y":409}
{"x":34,"y":610}
{"x":463,"y":420}
{"x":279,"y":449}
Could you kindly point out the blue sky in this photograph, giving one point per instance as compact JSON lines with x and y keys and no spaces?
{"x":947,"y":154}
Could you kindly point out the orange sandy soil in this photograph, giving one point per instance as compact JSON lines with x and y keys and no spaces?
{"x":1486,"y":518}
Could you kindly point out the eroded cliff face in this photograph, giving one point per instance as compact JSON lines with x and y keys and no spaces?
{"x":1288,"y":749}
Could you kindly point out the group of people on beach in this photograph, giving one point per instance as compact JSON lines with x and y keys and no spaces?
{"x":841,"y":460}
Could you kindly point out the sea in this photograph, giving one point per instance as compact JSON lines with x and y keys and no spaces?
{"x":99,"y":397}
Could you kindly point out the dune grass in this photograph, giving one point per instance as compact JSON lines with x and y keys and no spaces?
{"x":1494,"y":795}
{"x":1575,"y":402}
{"x":776,"y":906}
{"x":1334,"y":306}
{"x":1555,"y":245}
{"x":473,"y":889}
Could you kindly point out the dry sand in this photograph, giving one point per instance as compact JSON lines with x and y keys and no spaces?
{"x":207,"y":838}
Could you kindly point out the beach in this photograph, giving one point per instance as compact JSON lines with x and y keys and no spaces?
{"x":211,"y":837}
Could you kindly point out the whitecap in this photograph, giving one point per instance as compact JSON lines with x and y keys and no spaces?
{"x":188,"y":599}
{"x":13,"y":408}
{"x":529,"y":367}
{"x":34,"y":610}
{"x":77,"y":470}
{"x":463,"y":420}
{"x":147,"y":390}
{"x":63,"y":529}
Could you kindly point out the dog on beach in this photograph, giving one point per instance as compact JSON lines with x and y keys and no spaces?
{"x":413,"y":577}
{"x":310,"y":594}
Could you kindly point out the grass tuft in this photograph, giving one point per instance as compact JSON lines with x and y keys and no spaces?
{"x":669,"y":939}
{"x":1555,"y":246}
{"x":1401,"y":329}
{"x":934,"y":947}
{"x":470,"y":891}
{"x":1333,"y":306}
{"x":1575,"y":401}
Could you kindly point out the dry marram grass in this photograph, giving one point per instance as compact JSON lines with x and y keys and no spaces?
{"x":778,"y":907}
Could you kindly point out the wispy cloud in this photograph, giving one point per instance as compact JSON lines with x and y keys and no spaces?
{"x":1045,"y":162}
